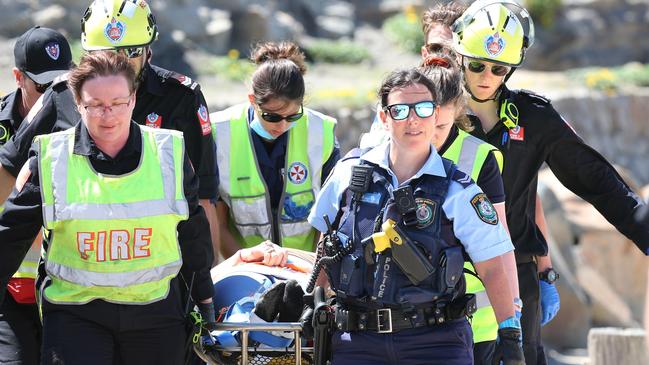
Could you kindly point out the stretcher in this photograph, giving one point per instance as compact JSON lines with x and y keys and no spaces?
{"x":300,"y":353}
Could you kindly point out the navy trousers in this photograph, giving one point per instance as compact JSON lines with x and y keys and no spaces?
{"x":447,"y":344}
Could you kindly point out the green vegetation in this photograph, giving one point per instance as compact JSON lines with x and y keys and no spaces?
{"x":231,"y":67}
{"x":611,"y":79}
{"x":338,"y":51}
{"x":544,"y":12}
{"x":404,"y":29}
{"x":77,"y":51}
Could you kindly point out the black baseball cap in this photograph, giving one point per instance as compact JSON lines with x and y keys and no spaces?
{"x":42,"y":54}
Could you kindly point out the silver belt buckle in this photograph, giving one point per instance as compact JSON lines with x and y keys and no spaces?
{"x":384,"y":315}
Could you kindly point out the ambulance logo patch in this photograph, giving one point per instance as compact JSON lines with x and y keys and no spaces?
{"x":517,"y":133}
{"x":52,"y":49}
{"x":297,"y":173}
{"x":494,"y":45}
{"x":115,"y":30}
{"x":153,"y":120}
{"x":204,"y":118}
{"x":485,"y":210}
{"x":425,"y":212}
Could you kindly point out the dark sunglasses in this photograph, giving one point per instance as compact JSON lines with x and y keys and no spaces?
{"x":131,"y":52}
{"x":478,"y":67}
{"x":423,"y":109}
{"x":276,"y":118}
{"x":39,"y":87}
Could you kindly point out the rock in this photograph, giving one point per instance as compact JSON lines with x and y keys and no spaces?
{"x":617,"y":346}
{"x":336,"y":20}
{"x":55,"y":17}
{"x":15,"y":17}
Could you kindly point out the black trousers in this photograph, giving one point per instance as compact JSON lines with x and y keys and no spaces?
{"x":528,"y":282}
{"x":102,"y":333}
{"x":20,"y":333}
{"x":483,"y":352}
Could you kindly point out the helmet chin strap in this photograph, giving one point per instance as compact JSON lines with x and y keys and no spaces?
{"x":140,"y":76}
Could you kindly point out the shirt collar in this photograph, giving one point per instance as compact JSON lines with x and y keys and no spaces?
{"x":151,"y":81}
{"x":7,"y":112}
{"x":380,"y":155}
{"x":85,"y":146}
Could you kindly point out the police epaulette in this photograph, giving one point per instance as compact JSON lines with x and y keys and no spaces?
{"x":533,"y":95}
{"x":183,"y":80}
{"x":462,"y":178}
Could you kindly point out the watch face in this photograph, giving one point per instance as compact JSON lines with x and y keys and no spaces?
{"x":552,"y":276}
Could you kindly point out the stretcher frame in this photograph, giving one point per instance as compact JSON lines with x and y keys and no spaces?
{"x":244,"y":328}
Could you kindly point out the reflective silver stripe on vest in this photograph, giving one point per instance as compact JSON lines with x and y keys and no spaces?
{"x":223,"y":150}
{"x":316,"y":126}
{"x":314,"y":154}
{"x":481,"y":299}
{"x":243,"y":213}
{"x":62,"y":210}
{"x":468,"y":152}
{"x":296,"y":229}
{"x":113,"y":279}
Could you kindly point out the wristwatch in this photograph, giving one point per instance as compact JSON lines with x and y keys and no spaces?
{"x":549,"y":276}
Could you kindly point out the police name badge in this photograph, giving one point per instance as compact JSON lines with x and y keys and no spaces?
{"x":485,"y":210}
{"x":425,"y":212}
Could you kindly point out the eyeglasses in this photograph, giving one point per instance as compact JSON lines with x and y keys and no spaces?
{"x":131,"y":52}
{"x":40,"y":88}
{"x":478,"y":67}
{"x":276,"y":118}
{"x":100,"y":110}
{"x":423,"y":109}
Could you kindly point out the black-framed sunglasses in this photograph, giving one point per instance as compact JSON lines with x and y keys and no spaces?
{"x":479,"y":67}
{"x":423,"y":109}
{"x":276,"y":118}
{"x":40,"y":88}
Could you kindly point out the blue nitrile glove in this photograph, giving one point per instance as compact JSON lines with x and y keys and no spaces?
{"x":509,"y":343}
{"x":550,"y":302}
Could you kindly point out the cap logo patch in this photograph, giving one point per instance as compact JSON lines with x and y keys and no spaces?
{"x":494,"y":45}
{"x":297,"y":173}
{"x":153,"y":120}
{"x":115,"y":30}
{"x":52,"y":49}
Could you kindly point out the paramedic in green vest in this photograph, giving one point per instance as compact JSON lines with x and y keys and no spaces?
{"x":118,"y":203}
{"x":273,"y":155}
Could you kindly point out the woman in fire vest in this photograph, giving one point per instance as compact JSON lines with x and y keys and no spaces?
{"x":119,"y":206}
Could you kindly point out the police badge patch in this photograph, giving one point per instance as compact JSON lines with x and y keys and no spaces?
{"x":425,"y":212}
{"x":485,"y":210}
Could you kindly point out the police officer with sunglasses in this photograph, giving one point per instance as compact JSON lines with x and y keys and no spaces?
{"x":404,"y":217}
{"x":493,"y":36}
{"x":273,"y":156}
{"x":40,"y":55}
{"x":164,"y":99}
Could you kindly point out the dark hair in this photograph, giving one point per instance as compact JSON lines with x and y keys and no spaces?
{"x":444,"y":72}
{"x":100,"y":63}
{"x":399,"y":79}
{"x":444,"y":14}
{"x":279,"y":73}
